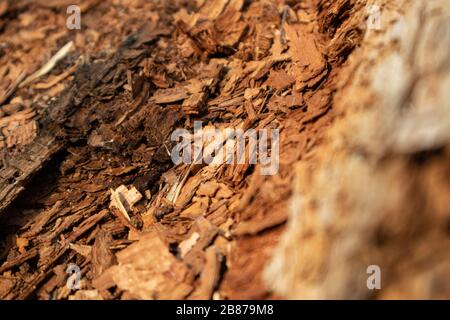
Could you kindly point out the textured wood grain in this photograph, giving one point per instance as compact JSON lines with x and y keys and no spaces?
{"x":376,"y":194}
{"x":53,"y":136}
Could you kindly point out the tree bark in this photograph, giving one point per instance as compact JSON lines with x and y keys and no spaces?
{"x":376,"y":194}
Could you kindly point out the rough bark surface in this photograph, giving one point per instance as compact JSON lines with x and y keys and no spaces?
{"x":377,"y":192}
{"x":86,"y":177}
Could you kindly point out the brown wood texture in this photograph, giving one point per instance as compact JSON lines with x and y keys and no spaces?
{"x":87,"y":179}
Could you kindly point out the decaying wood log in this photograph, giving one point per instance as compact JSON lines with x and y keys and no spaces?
{"x":83,"y":112}
{"x":377,"y":193}
{"x":359,"y":149}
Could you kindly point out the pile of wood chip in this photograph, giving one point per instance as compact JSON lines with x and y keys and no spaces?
{"x":87,"y":178}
